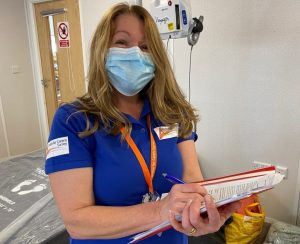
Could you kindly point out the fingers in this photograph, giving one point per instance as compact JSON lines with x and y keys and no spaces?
{"x":210,"y":223}
{"x":186,"y":200}
{"x":190,"y":188}
{"x":227,"y":210}
{"x":170,"y":204}
{"x":185,"y":222}
{"x":184,"y":226}
{"x":193,"y":224}
{"x":216,"y":217}
{"x":212,"y":211}
{"x":175,"y":224}
{"x":179,"y":196}
{"x":182,"y":193}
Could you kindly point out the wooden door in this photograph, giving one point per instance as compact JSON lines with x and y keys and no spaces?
{"x":58,"y":28}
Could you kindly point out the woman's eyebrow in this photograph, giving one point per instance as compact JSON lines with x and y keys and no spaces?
{"x":122,"y":31}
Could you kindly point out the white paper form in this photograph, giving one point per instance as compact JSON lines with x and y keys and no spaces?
{"x":224,"y":190}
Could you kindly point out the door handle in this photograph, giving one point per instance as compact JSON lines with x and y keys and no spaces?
{"x":45,"y":83}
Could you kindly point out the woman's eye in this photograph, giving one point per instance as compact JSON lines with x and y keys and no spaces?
{"x":120,"y":42}
{"x":144,"y":48}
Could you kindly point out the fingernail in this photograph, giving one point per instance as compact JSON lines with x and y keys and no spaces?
{"x":189,"y":202}
{"x":202,"y":204}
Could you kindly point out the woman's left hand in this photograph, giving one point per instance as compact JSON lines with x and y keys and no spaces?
{"x":193,"y":224}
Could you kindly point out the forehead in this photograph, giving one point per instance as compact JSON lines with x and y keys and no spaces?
{"x":131,"y":24}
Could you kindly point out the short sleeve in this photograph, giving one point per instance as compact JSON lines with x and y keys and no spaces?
{"x":193,"y":137}
{"x":66,"y":150}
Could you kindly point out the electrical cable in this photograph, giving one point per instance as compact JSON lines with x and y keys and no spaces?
{"x":190,"y":67}
{"x":173,"y":54}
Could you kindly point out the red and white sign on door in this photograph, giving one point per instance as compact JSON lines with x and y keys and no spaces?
{"x":63,"y":34}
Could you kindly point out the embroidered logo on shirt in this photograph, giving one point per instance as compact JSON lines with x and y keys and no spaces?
{"x":165,"y":132}
{"x":57,"y":147}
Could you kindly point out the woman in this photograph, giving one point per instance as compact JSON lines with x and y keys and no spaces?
{"x":108,"y":150}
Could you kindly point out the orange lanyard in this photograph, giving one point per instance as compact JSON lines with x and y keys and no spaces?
{"x":148,"y":175}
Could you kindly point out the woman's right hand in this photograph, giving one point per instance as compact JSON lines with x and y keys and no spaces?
{"x":179,"y":196}
{"x":186,"y":200}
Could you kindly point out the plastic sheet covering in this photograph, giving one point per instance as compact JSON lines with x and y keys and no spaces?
{"x":27,"y":210}
{"x":282,"y":233}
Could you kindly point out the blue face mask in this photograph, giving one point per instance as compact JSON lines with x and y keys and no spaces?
{"x":129,"y":69}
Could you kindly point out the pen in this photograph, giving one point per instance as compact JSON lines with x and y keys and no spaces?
{"x":173,"y":179}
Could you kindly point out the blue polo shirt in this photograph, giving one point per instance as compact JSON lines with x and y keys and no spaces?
{"x":118,"y":179}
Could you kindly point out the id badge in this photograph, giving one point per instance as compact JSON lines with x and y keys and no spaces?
{"x":151,"y":197}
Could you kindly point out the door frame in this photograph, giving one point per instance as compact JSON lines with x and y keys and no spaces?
{"x":37,"y":68}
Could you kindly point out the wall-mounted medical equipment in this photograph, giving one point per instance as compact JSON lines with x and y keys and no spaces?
{"x":174,"y":19}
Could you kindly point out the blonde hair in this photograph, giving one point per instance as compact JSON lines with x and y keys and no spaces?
{"x":167,"y":101}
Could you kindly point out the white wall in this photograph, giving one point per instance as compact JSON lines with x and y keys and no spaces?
{"x":17,"y":90}
{"x":245,"y":83}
